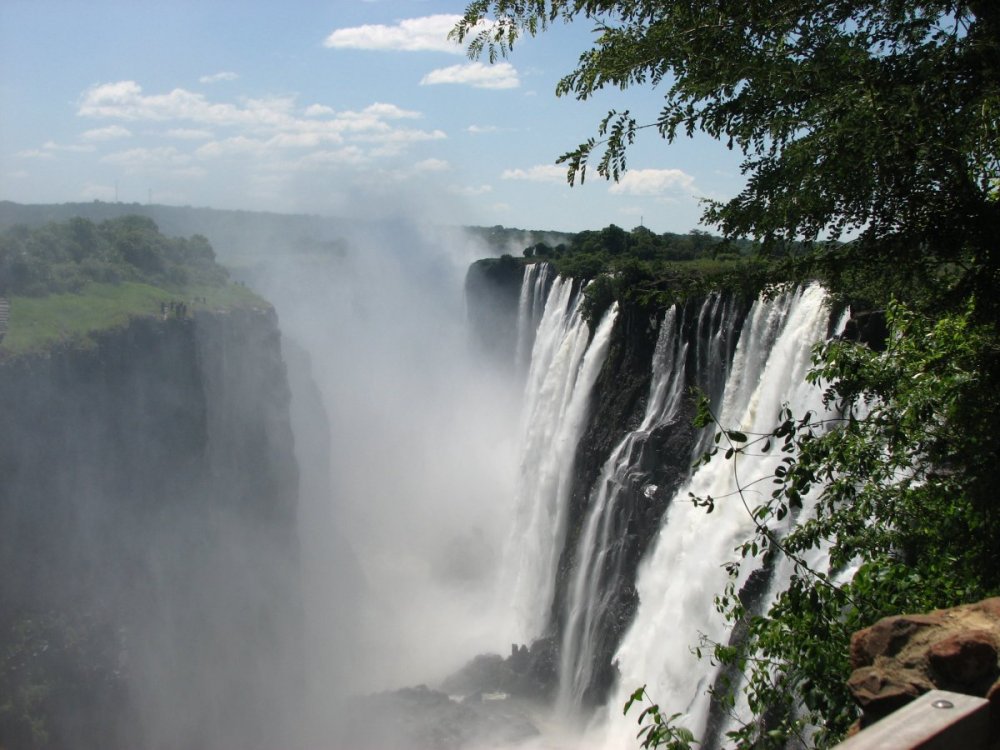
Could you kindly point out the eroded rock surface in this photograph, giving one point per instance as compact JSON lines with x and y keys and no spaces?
{"x":901,"y":657}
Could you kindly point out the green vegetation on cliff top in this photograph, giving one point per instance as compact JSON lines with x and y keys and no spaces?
{"x":66,"y":281}
{"x":643,"y":269}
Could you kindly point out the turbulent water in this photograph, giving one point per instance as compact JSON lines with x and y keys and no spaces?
{"x":429,"y":497}
{"x":679,"y":361}
{"x":750,"y":366}
{"x":679,"y":579}
{"x":565,"y":363}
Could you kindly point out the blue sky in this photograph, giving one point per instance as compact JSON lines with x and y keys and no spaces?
{"x":342,"y":108}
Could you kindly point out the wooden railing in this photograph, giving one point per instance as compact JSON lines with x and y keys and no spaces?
{"x":937,"y":720}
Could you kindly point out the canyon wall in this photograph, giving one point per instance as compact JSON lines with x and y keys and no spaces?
{"x":149,"y":547}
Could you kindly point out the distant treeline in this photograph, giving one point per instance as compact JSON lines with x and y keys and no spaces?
{"x":642,"y":269}
{"x":588,"y":253}
{"x":65,"y":256}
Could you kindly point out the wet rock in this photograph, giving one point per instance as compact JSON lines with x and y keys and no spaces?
{"x":419,"y":718}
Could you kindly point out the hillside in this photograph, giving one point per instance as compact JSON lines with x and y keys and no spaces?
{"x":65,"y":281}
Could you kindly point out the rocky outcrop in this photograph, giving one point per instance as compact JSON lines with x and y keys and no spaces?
{"x":418,"y":718}
{"x":901,"y":657}
{"x":492,"y":292}
{"x":528,"y":673}
{"x":148,"y":504}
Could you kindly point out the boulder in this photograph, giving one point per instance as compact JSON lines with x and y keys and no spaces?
{"x":901,"y":657}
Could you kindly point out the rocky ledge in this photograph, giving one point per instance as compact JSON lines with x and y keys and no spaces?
{"x":901,"y":657}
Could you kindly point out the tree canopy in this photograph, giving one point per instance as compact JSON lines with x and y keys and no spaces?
{"x":865,"y":119}
{"x":65,"y":256}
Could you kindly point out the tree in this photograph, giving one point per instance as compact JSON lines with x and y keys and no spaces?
{"x":865,"y":118}
{"x":876,"y":122}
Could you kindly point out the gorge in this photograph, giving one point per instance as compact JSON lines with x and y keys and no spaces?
{"x":263,"y":515}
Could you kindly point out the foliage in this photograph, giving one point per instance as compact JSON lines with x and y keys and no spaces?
{"x":657,"y":730}
{"x":640,"y":268}
{"x":68,"y":280}
{"x":877,"y":123}
{"x":892,"y":485}
{"x":63,"y":257}
{"x":55,"y":665}
{"x":855,"y":117}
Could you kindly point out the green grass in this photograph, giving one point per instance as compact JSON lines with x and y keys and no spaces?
{"x":38,"y":323}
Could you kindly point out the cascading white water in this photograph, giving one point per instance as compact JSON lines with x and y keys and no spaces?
{"x":565,"y":362}
{"x":583,"y":602}
{"x":529,"y":312}
{"x":600,"y":553}
{"x":680,"y":576}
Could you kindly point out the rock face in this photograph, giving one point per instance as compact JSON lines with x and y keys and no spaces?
{"x":148,"y":504}
{"x":658,"y":462}
{"x":418,"y":718}
{"x":492,"y":291}
{"x":901,"y":657}
{"x":527,"y":673}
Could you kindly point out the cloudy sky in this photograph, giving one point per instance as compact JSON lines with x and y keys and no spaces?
{"x":342,"y":108}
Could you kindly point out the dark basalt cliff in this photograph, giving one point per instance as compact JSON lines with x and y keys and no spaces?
{"x":492,"y":291}
{"x":658,"y":460}
{"x":149,"y":554}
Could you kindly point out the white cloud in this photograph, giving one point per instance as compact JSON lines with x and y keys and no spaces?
{"x":653,"y":182}
{"x":137,"y":158}
{"x":188,"y":173}
{"x":35,"y":153}
{"x":388,"y":111}
{"x":77,"y":148}
{"x":432,"y":165}
{"x":348,"y":156}
{"x":538,"y":173}
{"x":426,"y":34}
{"x":49,"y":150}
{"x":240,"y":144}
{"x":110,"y":133}
{"x":124,"y":100}
{"x":269,"y":134}
{"x":225,"y":75}
{"x":189,"y":134}
{"x":481,"y":129}
{"x":470,"y":191}
{"x":477,"y":74}
{"x":309,"y":139}
{"x":318,"y":110}
{"x":402,"y":135}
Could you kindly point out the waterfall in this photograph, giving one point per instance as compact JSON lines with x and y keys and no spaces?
{"x":682,"y":357}
{"x":584,"y":599}
{"x":530,"y":306}
{"x":682,"y":573}
{"x":565,"y":362}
